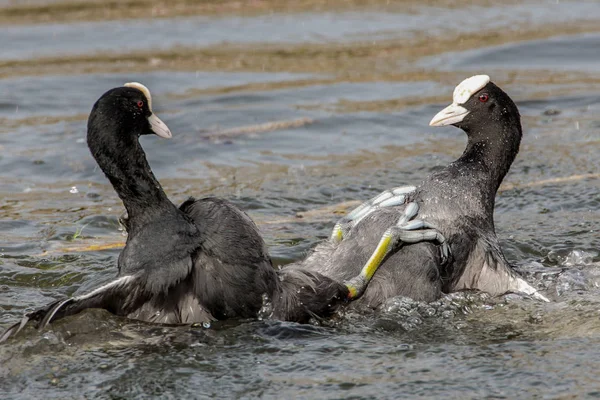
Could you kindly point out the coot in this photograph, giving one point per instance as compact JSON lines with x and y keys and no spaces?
{"x":457,"y":200}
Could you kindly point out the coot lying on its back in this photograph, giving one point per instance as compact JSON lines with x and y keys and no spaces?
{"x":200,"y":262}
{"x":458,"y":200}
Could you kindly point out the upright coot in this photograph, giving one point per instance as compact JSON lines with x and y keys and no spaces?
{"x":457,"y":200}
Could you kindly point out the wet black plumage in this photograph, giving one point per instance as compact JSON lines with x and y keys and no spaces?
{"x":459,"y":200}
{"x":202,"y":261}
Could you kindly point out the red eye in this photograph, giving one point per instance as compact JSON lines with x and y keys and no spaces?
{"x":140,"y":104}
{"x":483,"y":97}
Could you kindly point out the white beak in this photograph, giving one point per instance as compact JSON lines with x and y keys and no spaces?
{"x":159,"y":127}
{"x":449,"y":115}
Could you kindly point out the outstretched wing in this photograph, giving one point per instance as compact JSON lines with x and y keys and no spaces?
{"x":116,"y":296}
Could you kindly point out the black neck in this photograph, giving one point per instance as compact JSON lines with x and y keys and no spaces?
{"x":124,"y":163}
{"x":495,"y":155}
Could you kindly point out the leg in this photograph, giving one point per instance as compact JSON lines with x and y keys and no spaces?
{"x":405,"y":231}
{"x":388,"y":198}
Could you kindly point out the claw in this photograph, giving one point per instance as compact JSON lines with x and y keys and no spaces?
{"x":359,"y":212}
{"x":338,"y":234}
{"x":388,"y":198}
{"x":383,"y":196}
{"x":393,"y":201}
{"x":413,"y":225}
{"x":404,"y":190}
{"x":432,"y":233}
{"x":444,"y":253}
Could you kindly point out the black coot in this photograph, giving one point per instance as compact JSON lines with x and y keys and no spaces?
{"x":457,"y":200}
{"x":202,"y":261}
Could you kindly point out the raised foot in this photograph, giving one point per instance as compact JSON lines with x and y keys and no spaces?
{"x":387,"y":198}
{"x":406,"y":230}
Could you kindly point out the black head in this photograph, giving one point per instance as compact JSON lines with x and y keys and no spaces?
{"x":115,"y":124}
{"x":492,"y":123}
{"x":478,"y":104}
{"x":123,"y":114}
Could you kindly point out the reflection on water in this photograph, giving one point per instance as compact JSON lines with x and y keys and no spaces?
{"x":298,"y":132}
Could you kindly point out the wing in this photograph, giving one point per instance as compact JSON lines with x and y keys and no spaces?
{"x":118,"y":295}
{"x":488,"y":270}
{"x":160,"y":251}
{"x":232,"y":268}
{"x":154,"y":279}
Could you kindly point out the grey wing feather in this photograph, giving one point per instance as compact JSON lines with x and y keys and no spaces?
{"x":14,"y":329}
{"x":116,"y":296}
{"x":232,"y":268}
{"x":488,"y":270}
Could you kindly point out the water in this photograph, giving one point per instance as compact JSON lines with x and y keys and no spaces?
{"x":293,"y":116}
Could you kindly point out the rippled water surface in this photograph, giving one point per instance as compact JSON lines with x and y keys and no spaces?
{"x":295,"y":114}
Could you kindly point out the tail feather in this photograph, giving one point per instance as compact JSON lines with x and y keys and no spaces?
{"x":52,"y":312}
{"x":305,"y":294}
{"x":179,"y":307}
{"x":116,"y":297}
{"x":14,"y":329}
